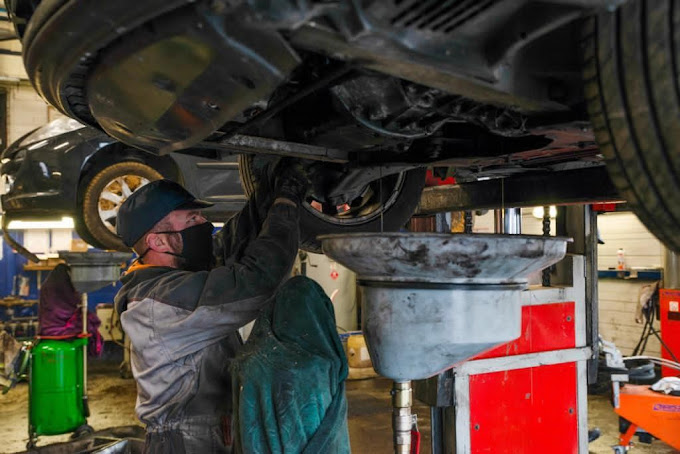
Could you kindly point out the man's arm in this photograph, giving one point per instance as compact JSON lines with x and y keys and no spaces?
{"x":286,"y":183}
{"x":194,"y":309}
{"x":230,"y":242}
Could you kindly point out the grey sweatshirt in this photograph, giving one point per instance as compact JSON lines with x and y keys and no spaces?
{"x":183,"y":325}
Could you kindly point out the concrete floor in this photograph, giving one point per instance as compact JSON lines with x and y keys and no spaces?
{"x":112,"y":404}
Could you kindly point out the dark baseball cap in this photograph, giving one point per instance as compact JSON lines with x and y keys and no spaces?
{"x":151,"y":203}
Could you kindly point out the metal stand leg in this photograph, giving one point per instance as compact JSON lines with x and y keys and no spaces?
{"x":32,"y":437}
{"x":86,"y":407}
{"x":402,"y":420}
{"x":624,"y":439}
{"x":437,"y":429}
{"x":545,"y":274}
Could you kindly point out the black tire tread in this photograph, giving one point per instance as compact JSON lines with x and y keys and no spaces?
{"x":630,"y":83}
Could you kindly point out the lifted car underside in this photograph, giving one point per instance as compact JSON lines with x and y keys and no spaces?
{"x":490,"y":87}
{"x":482,"y":89}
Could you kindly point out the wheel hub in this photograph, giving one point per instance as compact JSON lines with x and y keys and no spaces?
{"x":114,"y":194}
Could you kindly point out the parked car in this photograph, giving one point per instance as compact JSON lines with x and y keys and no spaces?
{"x":378,"y":89}
{"x":68,"y":169}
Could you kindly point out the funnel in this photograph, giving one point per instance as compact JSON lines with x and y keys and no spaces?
{"x":93,"y":270}
{"x":433,"y":300}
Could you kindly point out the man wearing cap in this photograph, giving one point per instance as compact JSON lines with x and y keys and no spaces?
{"x":184,"y":299}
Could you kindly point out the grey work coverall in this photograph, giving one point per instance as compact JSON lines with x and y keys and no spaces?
{"x":183,"y":329}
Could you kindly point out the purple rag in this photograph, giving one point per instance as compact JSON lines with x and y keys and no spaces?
{"x":59,"y":313}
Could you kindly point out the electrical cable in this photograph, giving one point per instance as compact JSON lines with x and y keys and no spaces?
{"x":647,"y":357}
{"x":642,"y":342}
{"x":648,"y":330}
{"x":655,"y":360}
{"x":658,"y":336}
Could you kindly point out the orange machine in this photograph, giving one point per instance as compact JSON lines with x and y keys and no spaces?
{"x":655,"y":412}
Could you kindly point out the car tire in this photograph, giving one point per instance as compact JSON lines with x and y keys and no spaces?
{"x":394,"y":216}
{"x":118,"y":181}
{"x":631,"y":58}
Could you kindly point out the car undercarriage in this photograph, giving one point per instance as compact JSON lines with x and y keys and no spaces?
{"x":475,"y":89}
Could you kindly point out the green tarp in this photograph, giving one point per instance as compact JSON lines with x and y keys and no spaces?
{"x":289,"y":379}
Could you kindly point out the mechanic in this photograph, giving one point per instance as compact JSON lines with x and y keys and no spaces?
{"x":186,"y":296}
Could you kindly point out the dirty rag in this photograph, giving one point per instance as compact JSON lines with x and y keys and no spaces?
{"x":59,"y":313}
{"x":289,"y":378}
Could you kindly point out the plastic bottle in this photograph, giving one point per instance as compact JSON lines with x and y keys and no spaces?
{"x":620,"y":259}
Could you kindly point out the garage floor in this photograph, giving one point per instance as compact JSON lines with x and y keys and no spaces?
{"x":112,"y":404}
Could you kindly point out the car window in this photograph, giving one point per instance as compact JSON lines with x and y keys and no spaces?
{"x":51,"y":129}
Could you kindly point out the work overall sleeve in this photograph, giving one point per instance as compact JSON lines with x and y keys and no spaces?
{"x":231,"y":241}
{"x":195,"y":309}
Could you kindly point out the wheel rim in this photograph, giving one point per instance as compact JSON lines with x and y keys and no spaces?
{"x":113,"y":195}
{"x":378,"y":197}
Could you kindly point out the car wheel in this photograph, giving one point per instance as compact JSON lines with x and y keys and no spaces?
{"x":386,"y":205}
{"x":631,"y":74}
{"x":102,"y":198}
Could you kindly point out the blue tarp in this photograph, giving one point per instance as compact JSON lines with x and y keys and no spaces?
{"x":289,"y":379}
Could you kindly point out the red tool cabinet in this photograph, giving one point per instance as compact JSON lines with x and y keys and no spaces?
{"x":670,"y":326}
{"x":529,"y":396}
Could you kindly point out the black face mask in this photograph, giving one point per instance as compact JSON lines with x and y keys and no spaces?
{"x":197,"y":249}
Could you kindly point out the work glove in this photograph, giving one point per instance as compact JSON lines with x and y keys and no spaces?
{"x":291,"y":181}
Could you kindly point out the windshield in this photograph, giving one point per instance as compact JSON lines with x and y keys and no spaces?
{"x":51,"y":129}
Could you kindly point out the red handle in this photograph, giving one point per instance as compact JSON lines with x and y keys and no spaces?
{"x":415,"y":441}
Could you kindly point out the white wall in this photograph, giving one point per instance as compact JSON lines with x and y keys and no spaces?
{"x":618,"y":305}
{"x":345,"y":300}
{"x":25,"y":111}
{"x":619,"y":298}
{"x":11,"y":66}
{"x":624,"y":230}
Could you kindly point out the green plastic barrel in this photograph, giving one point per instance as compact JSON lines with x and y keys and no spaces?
{"x":56,"y":387}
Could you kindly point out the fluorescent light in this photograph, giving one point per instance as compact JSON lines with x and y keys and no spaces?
{"x":5,"y":160}
{"x":64,"y":223}
{"x":537,"y":212}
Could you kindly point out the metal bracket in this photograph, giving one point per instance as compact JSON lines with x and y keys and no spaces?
{"x":250,"y":144}
{"x":15,"y":245}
